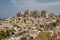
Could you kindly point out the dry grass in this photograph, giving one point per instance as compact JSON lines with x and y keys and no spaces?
{"x":45,"y":36}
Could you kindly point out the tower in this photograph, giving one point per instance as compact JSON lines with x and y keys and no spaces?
{"x":44,"y":14}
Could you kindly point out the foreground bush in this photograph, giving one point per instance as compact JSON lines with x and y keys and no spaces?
{"x":23,"y":38}
{"x":5,"y":34}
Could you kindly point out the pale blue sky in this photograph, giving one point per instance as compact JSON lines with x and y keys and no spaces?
{"x":11,"y":7}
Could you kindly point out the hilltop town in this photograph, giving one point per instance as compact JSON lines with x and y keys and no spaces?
{"x":31,"y":25}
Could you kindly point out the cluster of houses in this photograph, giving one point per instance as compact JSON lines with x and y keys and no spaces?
{"x":30,"y":24}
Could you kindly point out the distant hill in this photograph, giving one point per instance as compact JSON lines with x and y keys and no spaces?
{"x":2,"y":19}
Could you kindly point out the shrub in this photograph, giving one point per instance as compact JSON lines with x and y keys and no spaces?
{"x":8,"y":32}
{"x":54,"y":24}
{"x":4,"y":34}
{"x":23,"y":38}
{"x":15,"y":25}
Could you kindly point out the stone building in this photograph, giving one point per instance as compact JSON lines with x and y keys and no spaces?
{"x":35,"y":14}
{"x":52,"y":15}
{"x":19,"y":14}
{"x":44,"y":14}
{"x":27,"y":13}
